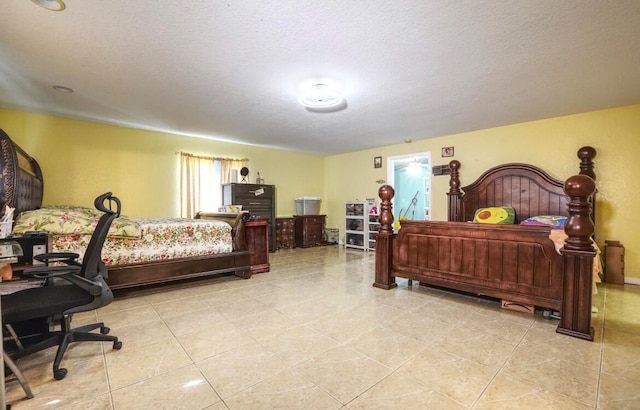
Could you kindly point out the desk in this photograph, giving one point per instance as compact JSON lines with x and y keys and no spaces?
{"x":9,"y":252}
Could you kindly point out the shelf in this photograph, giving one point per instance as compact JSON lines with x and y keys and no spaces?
{"x":359,"y":224}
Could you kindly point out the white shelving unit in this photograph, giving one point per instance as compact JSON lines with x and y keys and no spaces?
{"x":361,"y":224}
{"x":373,"y":228}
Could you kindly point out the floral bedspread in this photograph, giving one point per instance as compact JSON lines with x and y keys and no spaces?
{"x":72,"y":220}
{"x":129,"y":240}
{"x":160,"y":239}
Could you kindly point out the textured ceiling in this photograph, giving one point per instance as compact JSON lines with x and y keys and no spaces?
{"x":231,"y":70}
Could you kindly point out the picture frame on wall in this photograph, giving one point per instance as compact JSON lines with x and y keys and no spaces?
{"x":377,"y":162}
{"x":447,"y":151}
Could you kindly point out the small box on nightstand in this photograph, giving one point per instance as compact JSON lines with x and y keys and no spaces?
{"x":32,"y":245}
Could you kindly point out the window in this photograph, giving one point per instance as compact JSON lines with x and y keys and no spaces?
{"x":201,"y":180}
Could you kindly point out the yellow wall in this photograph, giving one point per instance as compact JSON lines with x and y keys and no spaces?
{"x":81,"y":159}
{"x":551,"y":144}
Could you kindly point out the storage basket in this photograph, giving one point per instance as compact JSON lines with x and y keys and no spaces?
{"x":5,"y":229}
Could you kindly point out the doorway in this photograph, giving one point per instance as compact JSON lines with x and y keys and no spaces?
{"x":409,"y":175}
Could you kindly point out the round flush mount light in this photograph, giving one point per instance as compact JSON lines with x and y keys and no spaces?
{"x":63,"y":89}
{"x":320,"y":95}
{"x":53,"y":5}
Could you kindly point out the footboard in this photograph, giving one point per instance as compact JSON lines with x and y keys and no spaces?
{"x":517,"y":263}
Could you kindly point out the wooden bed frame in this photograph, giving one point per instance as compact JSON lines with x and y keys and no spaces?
{"x":517,"y":263}
{"x":21,"y":187}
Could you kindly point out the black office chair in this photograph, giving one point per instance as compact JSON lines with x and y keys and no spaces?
{"x":71,"y":288}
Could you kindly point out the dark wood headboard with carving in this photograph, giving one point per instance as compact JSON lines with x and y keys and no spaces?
{"x":527,"y":188}
{"x":21,"y":184}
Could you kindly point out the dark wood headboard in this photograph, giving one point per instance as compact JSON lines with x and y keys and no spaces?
{"x":527,"y":188}
{"x":21,"y":184}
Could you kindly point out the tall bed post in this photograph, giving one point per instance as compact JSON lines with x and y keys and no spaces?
{"x":384,"y":241}
{"x":454,"y":194}
{"x":578,"y":254}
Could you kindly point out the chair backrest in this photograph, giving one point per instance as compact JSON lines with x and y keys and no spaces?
{"x":92,"y":264}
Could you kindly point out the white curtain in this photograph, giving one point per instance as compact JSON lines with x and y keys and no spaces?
{"x":201,"y":180}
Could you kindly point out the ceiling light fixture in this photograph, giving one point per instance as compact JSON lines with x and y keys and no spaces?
{"x":63,"y":89}
{"x":320,"y":96}
{"x":53,"y":5}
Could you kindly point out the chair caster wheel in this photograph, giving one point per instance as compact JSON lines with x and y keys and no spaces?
{"x":105,"y":330}
{"x":117,"y":345}
{"x":59,"y":374}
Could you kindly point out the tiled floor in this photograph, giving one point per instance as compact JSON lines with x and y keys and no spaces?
{"x":314,"y":334}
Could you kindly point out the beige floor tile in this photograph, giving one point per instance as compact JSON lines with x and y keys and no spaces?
{"x":399,"y":392}
{"x":460,"y":379}
{"x":240,"y":308}
{"x":343,"y":326}
{"x":406,"y":301}
{"x":264,"y":324}
{"x":184,"y":388}
{"x":544,"y":339}
{"x":184,"y":305}
{"x":309,"y":310}
{"x":137,"y":315}
{"x":343,"y":373}
{"x":191,"y":322}
{"x":622,"y":361}
{"x":132,"y":365}
{"x":575,"y":381}
{"x":140,"y":335}
{"x":285,"y":390}
{"x":387,"y":346}
{"x":85,"y":380}
{"x":298,"y":344}
{"x":212,"y":340}
{"x":509,"y":393}
{"x":421,"y":327}
{"x":98,"y":402}
{"x":235,"y":370}
{"x":473,"y":344}
{"x":125,"y":303}
{"x":618,"y":393}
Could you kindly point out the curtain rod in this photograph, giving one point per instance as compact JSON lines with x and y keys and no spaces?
{"x":211,"y":158}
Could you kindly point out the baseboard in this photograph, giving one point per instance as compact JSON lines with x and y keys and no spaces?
{"x":631,"y":281}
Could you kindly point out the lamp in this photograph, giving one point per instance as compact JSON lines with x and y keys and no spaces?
{"x":53,"y":5}
{"x":320,"y":96}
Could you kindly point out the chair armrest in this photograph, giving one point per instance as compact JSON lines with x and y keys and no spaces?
{"x":70,"y":258}
{"x":68,"y":273}
{"x":46,"y":272}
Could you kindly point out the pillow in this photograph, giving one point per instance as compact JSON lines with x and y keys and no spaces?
{"x":554,"y":221}
{"x":495,"y":215}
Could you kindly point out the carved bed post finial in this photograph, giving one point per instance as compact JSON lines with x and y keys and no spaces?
{"x":586,"y":155}
{"x":384,"y":241}
{"x":454,"y":181}
{"x":454,"y":193}
{"x":579,"y":226}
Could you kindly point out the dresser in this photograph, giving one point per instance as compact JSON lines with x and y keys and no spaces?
{"x":309,"y":230}
{"x":285,"y":233}
{"x":259,"y":199}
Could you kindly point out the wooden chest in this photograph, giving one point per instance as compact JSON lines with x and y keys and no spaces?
{"x":309,"y":230}
{"x":285,"y":233}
